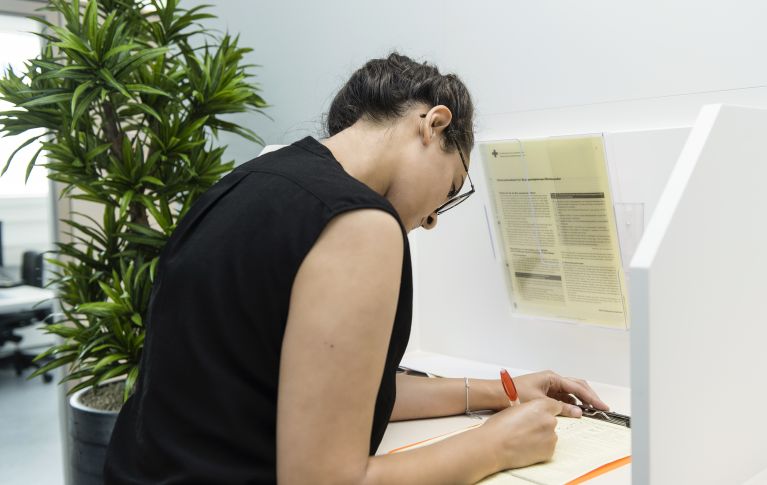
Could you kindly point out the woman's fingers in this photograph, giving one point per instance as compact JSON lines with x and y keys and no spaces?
{"x":579,"y":388}
{"x":569,"y":407}
{"x":566,"y":398}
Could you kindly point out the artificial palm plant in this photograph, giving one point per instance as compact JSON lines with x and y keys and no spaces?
{"x":129,"y":95}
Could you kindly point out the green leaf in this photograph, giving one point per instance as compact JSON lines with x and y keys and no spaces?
{"x":71,"y":42}
{"x":78,"y":92}
{"x":93,"y":381}
{"x":89,"y":231}
{"x":90,"y":198}
{"x":109,"y":292}
{"x":194,"y":127}
{"x":62,"y":330}
{"x":130,"y":382}
{"x":31,"y":164}
{"x":55,"y":363}
{"x":48,"y":99}
{"x":110,"y":80}
{"x":90,"y":22}
{"x":114,"y":372}
{"x":125,"y":201}
{"x":152,"y":180}
{"x":108,"y":360}
{"x":153,"y":268}
{"x":147,"y":231}
{"x":102,"y":309}
{"x":22,"y":146}
{"x":75,"y":375}
{"x":83,"y":106}
{"x":70,"y":73}
{"x":138,"y":58}
{"x":118,"y":50}
{"x":158,"y":216}
{"x":136,"y":318}
{"x":95,"y":152}
{"x":93,"y":342}
{"x":148,"y":110}
{"x":143,"y":88}
{"x":157,"y":242}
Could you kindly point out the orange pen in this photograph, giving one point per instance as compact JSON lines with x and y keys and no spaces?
{"x":509,"y":388}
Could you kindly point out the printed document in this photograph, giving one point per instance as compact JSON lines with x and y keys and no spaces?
{"x":554,"y":215}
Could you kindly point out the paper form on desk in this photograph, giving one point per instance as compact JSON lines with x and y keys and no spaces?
{"x":586,"y":448}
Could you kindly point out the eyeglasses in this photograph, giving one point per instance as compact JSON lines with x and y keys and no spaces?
{"x":457,"y":199}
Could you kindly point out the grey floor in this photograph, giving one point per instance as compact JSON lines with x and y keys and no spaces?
{"x":30,"y":445}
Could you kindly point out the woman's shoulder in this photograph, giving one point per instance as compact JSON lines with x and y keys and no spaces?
{"x":309,"y":167}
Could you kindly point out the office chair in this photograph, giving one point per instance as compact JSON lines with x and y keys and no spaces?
{"x":32,"y":275}
{"x":32,"y":269}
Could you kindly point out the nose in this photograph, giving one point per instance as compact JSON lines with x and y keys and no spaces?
{"x":430,"y":222}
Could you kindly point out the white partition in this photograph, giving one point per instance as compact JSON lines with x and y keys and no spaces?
{"x":699,"y":328}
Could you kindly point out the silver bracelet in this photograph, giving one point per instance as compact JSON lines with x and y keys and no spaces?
{"x":468,"y":412}
{"x":466,"y":386}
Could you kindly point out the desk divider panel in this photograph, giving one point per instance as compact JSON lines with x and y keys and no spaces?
{"x":698,"y":320}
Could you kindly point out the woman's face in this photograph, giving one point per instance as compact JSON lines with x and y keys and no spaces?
{"x":426,"y":179}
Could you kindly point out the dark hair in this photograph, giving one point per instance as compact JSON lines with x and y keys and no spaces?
{"x":384,"y":89}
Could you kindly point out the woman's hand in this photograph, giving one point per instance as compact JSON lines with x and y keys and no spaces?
{"x":523,"y":435}
{"x":565,"y":389}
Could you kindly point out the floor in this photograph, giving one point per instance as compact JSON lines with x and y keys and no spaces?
{"x":30,"y":444}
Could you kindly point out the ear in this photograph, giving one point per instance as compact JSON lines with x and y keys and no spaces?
{"x":434,"y":123}
{"x":430,"y":222}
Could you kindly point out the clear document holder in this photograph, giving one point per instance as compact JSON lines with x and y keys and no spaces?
{"x":629,"y":219}
{"x":553,"y":230}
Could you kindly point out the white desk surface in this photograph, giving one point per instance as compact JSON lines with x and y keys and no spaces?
{"x":25,"y":298}
{"x":758,"y":479}
{"x":407,"y":432}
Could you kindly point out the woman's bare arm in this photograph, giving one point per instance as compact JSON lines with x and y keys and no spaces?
{"x":342,"y":308}
{"x":423,"y":397}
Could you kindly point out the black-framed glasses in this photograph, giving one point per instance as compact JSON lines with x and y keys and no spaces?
{"x":457,"y":199}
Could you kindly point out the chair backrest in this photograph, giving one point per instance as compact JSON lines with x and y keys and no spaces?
{"x":32,"y":268}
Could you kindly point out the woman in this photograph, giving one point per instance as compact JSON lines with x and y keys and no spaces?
{"x":282,"y":308}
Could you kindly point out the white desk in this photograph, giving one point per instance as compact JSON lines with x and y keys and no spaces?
{"x":407,"y":432}
{"x":758,"y":479}
{"x":25,"y":298}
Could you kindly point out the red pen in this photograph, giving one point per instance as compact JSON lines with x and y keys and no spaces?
{"x":509,"y":388}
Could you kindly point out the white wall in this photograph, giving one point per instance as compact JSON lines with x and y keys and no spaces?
{"x":535,"y":69}
{"x":517,"y":57}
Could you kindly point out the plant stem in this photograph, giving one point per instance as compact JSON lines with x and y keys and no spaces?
{"x":115,"y":135}
{"x":112,"y":129}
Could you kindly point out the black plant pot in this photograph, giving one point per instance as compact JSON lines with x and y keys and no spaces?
{"x":89,"y":433}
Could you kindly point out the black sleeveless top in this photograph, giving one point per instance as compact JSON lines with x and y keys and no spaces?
{"x":205,"y":405}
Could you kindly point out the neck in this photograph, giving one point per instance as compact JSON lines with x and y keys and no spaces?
{"x":365,"y":152}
